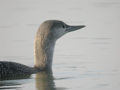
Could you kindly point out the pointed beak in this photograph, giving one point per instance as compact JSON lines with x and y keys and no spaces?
{"x":74,"y":28}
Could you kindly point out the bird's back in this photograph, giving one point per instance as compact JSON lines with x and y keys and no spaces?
{"x":12,"y":69}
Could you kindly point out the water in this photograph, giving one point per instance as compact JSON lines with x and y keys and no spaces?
{"x":87,"y":59}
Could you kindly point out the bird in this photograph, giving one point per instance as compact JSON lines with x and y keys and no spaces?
{"x":46,"y":36}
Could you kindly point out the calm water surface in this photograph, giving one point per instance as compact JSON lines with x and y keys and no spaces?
{"x":87,"y":59}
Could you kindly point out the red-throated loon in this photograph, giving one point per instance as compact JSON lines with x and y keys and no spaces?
{"x":46,"y":36}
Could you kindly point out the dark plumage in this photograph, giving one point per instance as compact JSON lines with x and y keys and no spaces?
{"x":12,"y":69}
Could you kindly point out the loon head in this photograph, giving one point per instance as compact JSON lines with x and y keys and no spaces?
{"x":57,"y":28}
{"x":46,"y":36}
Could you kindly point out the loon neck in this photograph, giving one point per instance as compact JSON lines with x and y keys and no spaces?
{"x":43,"y":50}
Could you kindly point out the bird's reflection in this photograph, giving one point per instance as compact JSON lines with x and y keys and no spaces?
{"x":45,"y":81}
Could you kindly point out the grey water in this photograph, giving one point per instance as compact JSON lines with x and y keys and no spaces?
{"x":87,"y":59}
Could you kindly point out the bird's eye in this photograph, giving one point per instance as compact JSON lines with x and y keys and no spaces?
{"x":63,"y":26}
